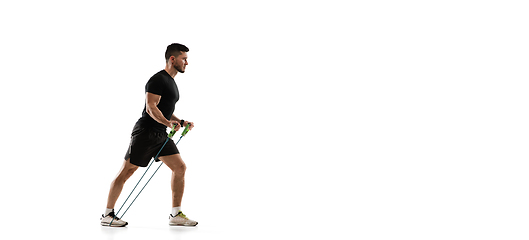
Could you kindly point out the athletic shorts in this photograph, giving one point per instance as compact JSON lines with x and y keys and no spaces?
{"x":145,"y":144}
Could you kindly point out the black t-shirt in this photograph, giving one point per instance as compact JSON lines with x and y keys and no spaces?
{"x":164,"y":85}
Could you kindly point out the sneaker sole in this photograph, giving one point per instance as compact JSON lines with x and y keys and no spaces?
{"x":108,"y":225}
{"x":182,"y":225}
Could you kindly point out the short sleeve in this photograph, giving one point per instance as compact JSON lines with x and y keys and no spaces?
{"x":155,"y":85}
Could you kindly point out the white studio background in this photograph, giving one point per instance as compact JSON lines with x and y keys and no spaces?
{"x":314,"y":119}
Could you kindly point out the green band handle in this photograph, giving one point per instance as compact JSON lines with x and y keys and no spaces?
{"x":186,"y":130}
{"x":173,"y":131}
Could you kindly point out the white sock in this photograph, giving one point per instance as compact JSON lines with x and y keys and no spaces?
{"x":108,"y":210}
{"x":175,"y":211}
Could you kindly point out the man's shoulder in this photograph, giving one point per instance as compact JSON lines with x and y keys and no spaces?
{"x":160,"y":76}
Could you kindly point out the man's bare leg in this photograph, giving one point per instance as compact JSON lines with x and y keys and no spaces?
{"x":117,"y":185}
{"x":177,"y":165}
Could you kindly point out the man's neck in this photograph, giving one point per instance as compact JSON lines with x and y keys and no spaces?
{"x":172,"y":71}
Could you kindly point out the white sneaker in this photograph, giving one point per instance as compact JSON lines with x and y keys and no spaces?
{"x":181,"y":220}
{"x":105,"y":221}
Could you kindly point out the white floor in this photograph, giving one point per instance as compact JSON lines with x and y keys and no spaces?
{"x":231,"y":226}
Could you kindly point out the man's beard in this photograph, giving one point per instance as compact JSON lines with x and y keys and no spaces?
{"x":181,"y":70}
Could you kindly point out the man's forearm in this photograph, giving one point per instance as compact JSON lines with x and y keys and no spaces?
{"x":157,"y":115}
{"x":175,"y":118}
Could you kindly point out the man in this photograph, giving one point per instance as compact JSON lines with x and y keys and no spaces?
{"x":149,"y":134}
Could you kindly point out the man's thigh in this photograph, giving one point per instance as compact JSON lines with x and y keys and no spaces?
{"x":174,"y":162}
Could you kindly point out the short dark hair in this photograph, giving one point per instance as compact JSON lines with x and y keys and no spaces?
{"x":175,"y":49}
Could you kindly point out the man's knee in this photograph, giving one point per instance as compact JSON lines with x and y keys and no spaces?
{"x":126,"y":172}
{"x":179,"y":168}
{"x":124,"y":175}
{"x":183,"y":168}
{"x":175,"y":163}
{"x":130,"y":171}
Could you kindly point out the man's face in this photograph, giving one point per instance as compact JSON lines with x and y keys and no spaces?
{"x":180,"y":62}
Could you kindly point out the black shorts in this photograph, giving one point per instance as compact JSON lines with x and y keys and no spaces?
{"x":145,"y":144}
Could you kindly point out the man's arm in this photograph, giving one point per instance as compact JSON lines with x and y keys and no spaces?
{"x":191,"y":124}
{"x":151,"y":103}
{"x":175,"y":118}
